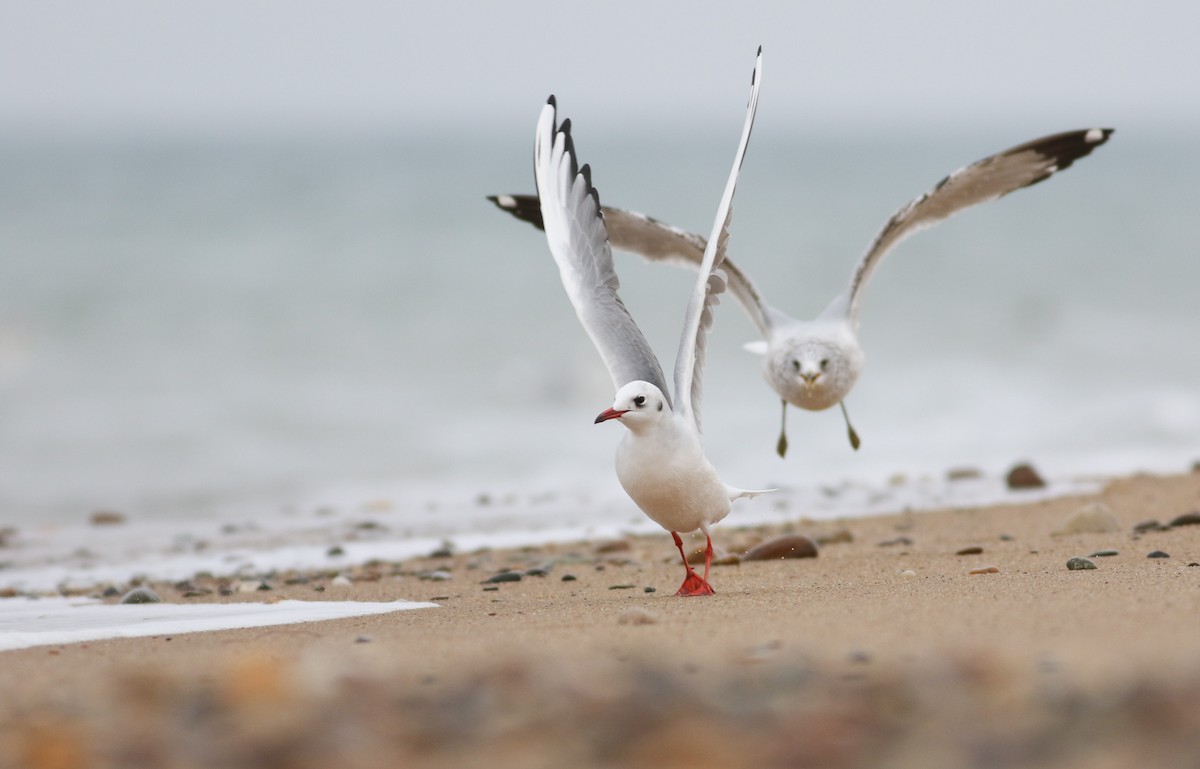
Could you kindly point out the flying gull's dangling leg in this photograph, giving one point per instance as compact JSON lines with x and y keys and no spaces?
{"x":781,"y":446}
{"x":854,"y":441}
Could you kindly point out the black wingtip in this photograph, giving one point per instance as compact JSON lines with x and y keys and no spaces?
{"x":527,"y":208}
{"x":552,"y":101}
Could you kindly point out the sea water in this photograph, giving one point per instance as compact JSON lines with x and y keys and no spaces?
{"x":198,"y":327}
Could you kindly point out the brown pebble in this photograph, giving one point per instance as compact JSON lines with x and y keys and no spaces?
{"x":1023,"y":476}
{"x":785,"y":546}
{"x":107,"y":518}
{"x":984,"y":570}
{"x":616,"y":546}
{"x":972,"y":550}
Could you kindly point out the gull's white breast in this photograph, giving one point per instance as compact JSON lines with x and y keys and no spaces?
{"x":666,"y":474}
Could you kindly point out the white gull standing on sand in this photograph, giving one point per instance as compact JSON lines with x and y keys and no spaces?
{"x":814,"y":364}
{"x":660,"y":461}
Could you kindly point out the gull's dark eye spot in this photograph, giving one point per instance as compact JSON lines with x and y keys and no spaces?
{"x":660,"y":406}
{"x":824,"y":363}
{"x":795,"y":365}
{"x":639,"y":401}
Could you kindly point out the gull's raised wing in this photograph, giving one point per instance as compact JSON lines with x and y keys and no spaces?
{"x":984,"y":180}
{"x":655,"y":241}
{"x":570,"y":212}
{"x":689,"y":363}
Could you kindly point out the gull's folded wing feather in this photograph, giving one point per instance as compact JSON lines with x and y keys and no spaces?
{"x":985,"y":180}
{"x":575,"y":231}
{"x":656,"y":241}
{"x":689,"y":363}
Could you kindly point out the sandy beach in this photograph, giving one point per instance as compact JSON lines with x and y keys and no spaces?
{"x":884,"y":650}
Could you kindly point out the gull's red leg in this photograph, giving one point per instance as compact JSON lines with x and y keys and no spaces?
{"x":692,"y":583}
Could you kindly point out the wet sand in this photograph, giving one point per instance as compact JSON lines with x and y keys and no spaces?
{"x":842,"y":660}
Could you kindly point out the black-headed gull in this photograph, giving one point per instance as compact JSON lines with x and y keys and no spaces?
{"x":660,"y":462}
{"x":814,"y":364}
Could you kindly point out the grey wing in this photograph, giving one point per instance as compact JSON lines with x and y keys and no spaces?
{"x":689,"y":363}
{"x":990,"y":178}
{"x":575,"y":231}
{"x":656,"y":241}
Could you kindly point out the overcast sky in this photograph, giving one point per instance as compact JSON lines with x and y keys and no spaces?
{"x":227,"y":64}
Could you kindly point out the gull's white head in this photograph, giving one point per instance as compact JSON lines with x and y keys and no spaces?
{"x":637,"y":405}
{"x":813,"y":373}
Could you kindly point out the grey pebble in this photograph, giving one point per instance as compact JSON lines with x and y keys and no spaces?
{"x":1077,"y":564}
{"x":537,"y":571}
{"x":896,"y":541}
{"x":363,"y":639}
{"x":492,"y":588}
{"x":621,"y":587}
{"x":141,"y":595}
{"x":1157,"y":554}
{"x":335,"y":551}
{"x":569,"y":578}
{"x":504,"y":576}
{"x":1103,"y":554}
{"x":1187,"y":519}
{"x":972,"y":550}
{"x":649,"y":589}
{"x":1150,"y":525}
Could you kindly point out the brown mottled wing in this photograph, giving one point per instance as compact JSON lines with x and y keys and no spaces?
{"x":990,"y":178}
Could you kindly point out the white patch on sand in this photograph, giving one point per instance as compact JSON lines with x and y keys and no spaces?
{"x":26,"y":622}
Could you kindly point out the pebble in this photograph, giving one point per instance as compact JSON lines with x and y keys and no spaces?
{"x":1157,"y":554}
{"x":837,"y":537}
{"x":1150,"y":525}
{"x":896,"y":541}
{"x":569,"y":578}
{"x":1103,"y":554}
{"x":442,"y":552}
{"x":636,"y":616}
{"x":141,"y":595}
{"x":972,"y":550}
{"x":616,"y":546}
{"x":335,"y":551}
{"x":1187,"y":519}
{"x":1093,"y":518}
{"x":341,"y":580}
{"x":963,"y":474}
{"x":363,"y":639}
{"x":989,"y":569}
{"x":908,"y":574}
{"x":537,"y":571}
{"x":649,"y":589}
{"x":107,"y":518}
{"x":1078,"y":564}
{"x":1024,"y":476}
{"x":785,"y":546}
{"x":438,"y":575}
{"x":504,"y":576}
{"x":491,"y":588}
{"x":621,"y":587}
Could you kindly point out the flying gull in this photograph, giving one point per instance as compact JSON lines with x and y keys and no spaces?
{"x":814,"y":364}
